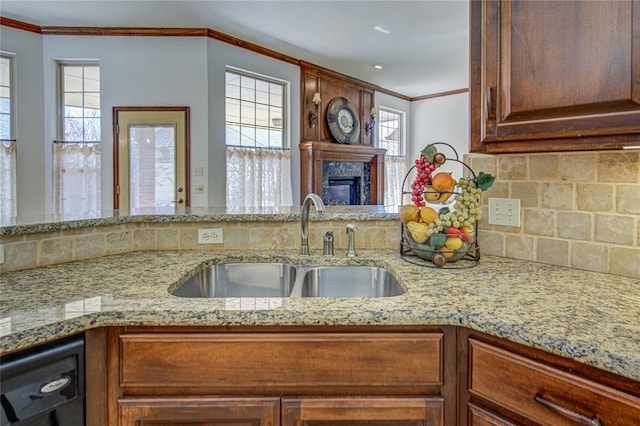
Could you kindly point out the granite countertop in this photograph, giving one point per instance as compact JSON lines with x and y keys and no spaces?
{"x":590,"y":317}
{"x":34,"y":224}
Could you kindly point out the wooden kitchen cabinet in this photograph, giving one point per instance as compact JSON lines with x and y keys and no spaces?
{"x":554,"y":75}
{"x":507,"y":384}
{"x":364,"y":411}
{"x":199,"y":411}
{"x":319,"y":376}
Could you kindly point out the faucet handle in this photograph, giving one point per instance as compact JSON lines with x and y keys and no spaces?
{"x":351,"y":232}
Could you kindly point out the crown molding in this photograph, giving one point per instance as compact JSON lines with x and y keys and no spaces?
{"x":8,"y":22}
{"x":440,"y":94}
{"x":125,"y":31}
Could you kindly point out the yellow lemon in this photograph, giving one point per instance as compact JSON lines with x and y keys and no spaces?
{"x":409,"y":213}
{"x":453,"y":243}
{"x":418,"y":231}
{"x":446,"y":251}
{"x":428,"y":215}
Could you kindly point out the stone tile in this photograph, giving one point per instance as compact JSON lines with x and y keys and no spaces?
{"x":618,"y":167}
{"x":512,"y":167}
{"x":539,"y":222}
{"x":167,"y":238}
{"x":39,"y":236}
{"x":236,"y":237}
{"x":625,"y":261}
{"x":55,"y":251}
{"x":285,"y":238}
{"x":578,"y":167}
{"x":21,"y":255}
{"x":88,"y":246}
{"x":595,"y":197}
{"x":557,"y":196}
{"x":614,"y":229}
{"x":189,"y":240}
{"x":543,"y":167}
{"x":590,"y":257}
{"x":118,"y":242}
{"x":144,"y":239}
{"x":497,"y":190}
{"x":491,"y":243}
{"x":519,"y":246}
{"x":483,"y":163}
{"x":628,"y":199}
{"x":575,"y":225}
{"x":552,"y":251}
{"x":527,"y":192}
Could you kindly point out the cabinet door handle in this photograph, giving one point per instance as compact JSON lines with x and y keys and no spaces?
{"x":565,"y":412}
{"x":491,"y":103}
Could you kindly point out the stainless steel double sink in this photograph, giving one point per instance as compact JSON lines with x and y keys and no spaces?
{"x":286,"y":280}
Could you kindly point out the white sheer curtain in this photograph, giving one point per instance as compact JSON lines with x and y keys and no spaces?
{"x":7,"y":180}
{"x":395,"y":169}
{"x":76,"y":178}
{"x":258,"y":177}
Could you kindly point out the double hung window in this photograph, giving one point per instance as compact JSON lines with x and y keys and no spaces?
{"x":7,"y":139}
{"x":76,"y":153}
{"x":391,"y":137}
{"x":258,"y":162}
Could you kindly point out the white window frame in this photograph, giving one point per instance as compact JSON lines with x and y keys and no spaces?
{"x":285,"y":107}
{"x":402,"y":143}
{"x":11,"y":209}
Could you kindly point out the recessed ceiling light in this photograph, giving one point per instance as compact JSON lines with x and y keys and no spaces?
{"x":381,"y":29}
{"x":378,"y":66}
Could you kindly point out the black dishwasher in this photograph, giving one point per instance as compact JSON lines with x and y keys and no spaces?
{"x":44,"y":386}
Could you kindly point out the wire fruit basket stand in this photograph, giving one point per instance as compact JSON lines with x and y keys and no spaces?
{"x":439,"y":226}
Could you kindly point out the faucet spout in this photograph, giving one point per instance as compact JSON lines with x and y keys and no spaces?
{"x":306,"y":205}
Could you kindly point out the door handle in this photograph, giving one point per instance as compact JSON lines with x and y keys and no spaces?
{"x":180,"y":201}
{"x":565,"y":412}
{"x":491,"y":103}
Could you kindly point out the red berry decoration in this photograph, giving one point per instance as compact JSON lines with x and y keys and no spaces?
{"x":424,"y":168}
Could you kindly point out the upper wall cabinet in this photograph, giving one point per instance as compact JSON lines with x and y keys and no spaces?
{"x":554,"y":76}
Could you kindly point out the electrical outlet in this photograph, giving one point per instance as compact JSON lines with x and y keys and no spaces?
{"x":210,"y":236}
{"x":504,"y":211}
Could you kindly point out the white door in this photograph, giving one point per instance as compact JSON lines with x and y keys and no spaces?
{"x":152,"y":158}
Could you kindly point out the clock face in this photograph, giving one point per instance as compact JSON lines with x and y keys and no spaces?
{"x":343,"y":121}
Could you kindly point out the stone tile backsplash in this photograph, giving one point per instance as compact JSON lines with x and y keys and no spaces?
{"x":580,"y":210}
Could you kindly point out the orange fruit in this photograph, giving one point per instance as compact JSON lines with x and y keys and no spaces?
{"x":443,"y":182}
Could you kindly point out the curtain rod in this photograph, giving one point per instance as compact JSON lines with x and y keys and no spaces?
{"x":259,"y":147}
{"x":78,"y":142}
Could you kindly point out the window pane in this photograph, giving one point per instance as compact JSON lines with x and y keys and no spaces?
{"x":92,"y":102}
{"x":232,"y":134}
{"x":247,"y":136}
{"x":248,"y":88}
{"x":276,"y":94}
{"x":247,"y":113}
{"x":73,"y":100}
{"x":92,"y":79}
{"x":73,"y":129}
{"x":72,"y":79}
{"x":262,"y":115}
{"x":92,"y":129}
{"x":276,"y":139}
{"x":262,"y":92}
{"x":233,"y":111}
{"x":5,"y":126}
{"x":5,"y":72}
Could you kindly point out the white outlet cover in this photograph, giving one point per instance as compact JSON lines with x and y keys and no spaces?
{"x":504,"y":211}
{"x":210,"y":236}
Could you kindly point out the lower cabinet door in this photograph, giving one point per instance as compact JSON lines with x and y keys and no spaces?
{"x":363,"y":411}
{"x":199,"y":411}
{"x":481,"y":417}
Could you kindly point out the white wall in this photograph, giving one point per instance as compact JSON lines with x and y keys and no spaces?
{"x":441,"y":119}
{"x":137,"y":71}
{"x":31,"y":175}
{"x":221,"y":55}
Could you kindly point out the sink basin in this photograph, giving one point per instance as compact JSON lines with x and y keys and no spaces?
{"x":350,"y":281}
{"x":240,"y":280}
{"x":284,"y":280}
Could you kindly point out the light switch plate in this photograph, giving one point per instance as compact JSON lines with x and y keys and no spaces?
{"x":504,"y":211}
{"x":210,"y":236}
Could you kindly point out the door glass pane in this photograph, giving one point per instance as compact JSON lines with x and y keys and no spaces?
{"x":152,"y":161}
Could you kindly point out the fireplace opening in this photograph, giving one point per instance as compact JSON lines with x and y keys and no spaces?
{"x":343,"y":191}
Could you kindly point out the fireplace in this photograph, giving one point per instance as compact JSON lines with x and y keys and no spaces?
{"x":363,"y":165}
{"x":343,"y":191}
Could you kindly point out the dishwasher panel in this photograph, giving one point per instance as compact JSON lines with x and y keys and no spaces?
{"x":44,"y":386}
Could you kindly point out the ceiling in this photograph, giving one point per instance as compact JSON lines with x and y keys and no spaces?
{"x":424,"y":52}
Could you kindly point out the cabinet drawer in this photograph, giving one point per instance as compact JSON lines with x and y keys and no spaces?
{"x":545,"y":394}
{"x":408,"y":362}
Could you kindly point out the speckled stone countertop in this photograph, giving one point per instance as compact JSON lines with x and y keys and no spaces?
{"x":30,"y":225}
{"x":590,"y":317}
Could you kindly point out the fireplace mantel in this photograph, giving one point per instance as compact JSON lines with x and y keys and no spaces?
{"x":314,"y":153}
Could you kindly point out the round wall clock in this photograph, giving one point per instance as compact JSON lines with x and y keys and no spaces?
{"x":343,"y":121}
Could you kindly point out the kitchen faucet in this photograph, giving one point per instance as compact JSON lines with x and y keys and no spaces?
{"x":319,"y":205}
{"x":351,"y":233}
